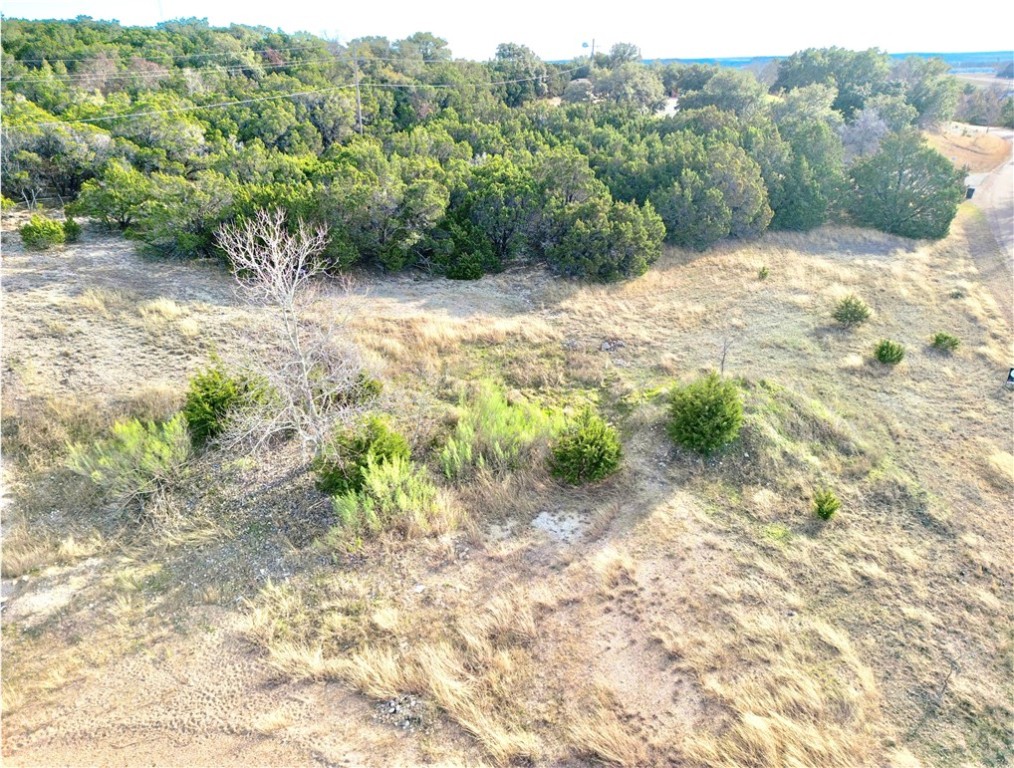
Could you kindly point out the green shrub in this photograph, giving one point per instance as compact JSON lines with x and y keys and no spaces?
{"x":906,"y":188}
{"x":496,"y":434}
{"x":587,"y":450}
{"x":370,"y":387}
{"x":71,"y":231}
{"x":361,"y":389}
{"x":393,"y":494}
{"x":212,"y":394}
{"x":470,"y":265}
{"x":41,"y":233}
{"x":6,"y":204}
{"x":889,"y":352}
{"x":137,"y":461}
{"x":826,"y":504}
{"x":461,"y":251}
{"x":762,"y":273}
{"x":603,"y":240}
{"x":340,"y":464}
{"x":851,"y":310}
{"x":705,"y":414}
{"x":944,"y":342}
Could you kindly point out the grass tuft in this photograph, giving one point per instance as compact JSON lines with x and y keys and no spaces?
{"x":497,"y":434}
{"x":945,"y":343}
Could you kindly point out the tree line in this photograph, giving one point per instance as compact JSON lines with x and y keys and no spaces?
{"x":412,"y":158}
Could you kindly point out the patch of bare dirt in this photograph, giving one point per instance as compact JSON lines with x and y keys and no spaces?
{"x":64,"y":299}
{"x":994,"y":196}
{"x":201,"y":699}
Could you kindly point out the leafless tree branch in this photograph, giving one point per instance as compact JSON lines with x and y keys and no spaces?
{"x":313,"y":370}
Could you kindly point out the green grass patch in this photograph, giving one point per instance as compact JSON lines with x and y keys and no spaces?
{"x":395,"y":494}
{"x":778,"y":533}
{"x":137,"y":461}
{"x":497,"y":433}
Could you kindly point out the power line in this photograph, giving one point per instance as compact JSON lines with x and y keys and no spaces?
{"x":151,"y":56}
{"x":344,"y":54}
{"x":73,"y":77}
{"x":168,"y":56}
{"x":275,"y":97}
{"x":120,"y":75}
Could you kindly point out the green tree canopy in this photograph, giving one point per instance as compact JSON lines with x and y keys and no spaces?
{"x":522,"y":76}
{"x":907,"y":188}
{"x":857,"y":75}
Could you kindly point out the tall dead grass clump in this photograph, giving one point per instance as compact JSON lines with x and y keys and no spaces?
{"x":24,"y":550}
{"x":37,"y":428}
{"x":798,"y":692}
{"x":472,"y":669}
{"x":601,"y":735}
{"x":104,"y":302}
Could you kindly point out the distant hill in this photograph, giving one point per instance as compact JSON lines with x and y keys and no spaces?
{"x":961,"y":63}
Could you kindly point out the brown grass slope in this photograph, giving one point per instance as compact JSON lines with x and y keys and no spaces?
{"x":686,"y":612}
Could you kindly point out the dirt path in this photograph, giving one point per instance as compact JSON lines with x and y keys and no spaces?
{"x":200,"y":700}
{"x":994,"y":196}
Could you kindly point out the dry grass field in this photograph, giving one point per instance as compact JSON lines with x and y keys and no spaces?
{"x":976,"y":148}
{"x":685,"y":612}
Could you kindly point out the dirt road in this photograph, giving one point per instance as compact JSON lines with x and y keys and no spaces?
{"x":994,"y":196}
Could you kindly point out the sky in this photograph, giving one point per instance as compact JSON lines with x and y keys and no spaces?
{"x":558,"y":31}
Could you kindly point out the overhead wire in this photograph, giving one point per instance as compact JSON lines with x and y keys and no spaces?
{"x":183,"y":56}
{"x":78,"y":77}
{"x":275,"y":97}
{"x":84,"y":77}
{"x":345,"y":55}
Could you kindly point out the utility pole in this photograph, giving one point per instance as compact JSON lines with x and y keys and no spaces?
{"x":359,"y":101}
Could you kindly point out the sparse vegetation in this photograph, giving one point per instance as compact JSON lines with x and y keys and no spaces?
{"x":137,"y":461}
{"x":393,"y":494}
{"x":71,"y":230}
{"x":522,"y":637}
{"x":851,"y":311}
{"x":342,"y":462}
{"x":496,"y":433}
{"x":889,"y":352}
{"x":945,"y":342}
{"x":762,"y":273}
{"x":705,"y":414}
{"x":586,"y":451}
{"x":41,"y":233}
{"x":826,"y":504}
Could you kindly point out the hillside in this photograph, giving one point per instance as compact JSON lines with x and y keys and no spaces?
{"x":687,"y":611}
{"x":364,"y":406}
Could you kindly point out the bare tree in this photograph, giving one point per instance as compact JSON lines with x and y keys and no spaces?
{"x":862,"y":137}
{"x":313,"y":370}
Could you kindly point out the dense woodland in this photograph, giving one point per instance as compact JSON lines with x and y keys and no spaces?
{"x":414,"y":159}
